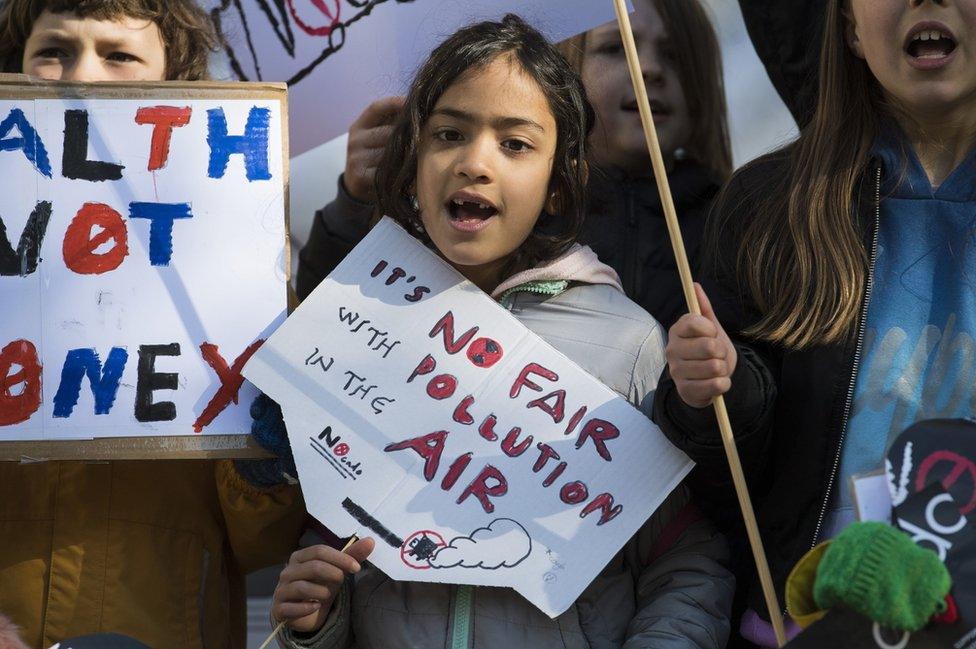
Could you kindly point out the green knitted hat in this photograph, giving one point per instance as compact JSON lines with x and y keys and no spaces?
{"x":876,"y":570}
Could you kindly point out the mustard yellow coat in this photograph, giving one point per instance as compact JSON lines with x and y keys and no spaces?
{"x":156,"y":550}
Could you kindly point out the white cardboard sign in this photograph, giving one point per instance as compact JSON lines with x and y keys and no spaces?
{"x":141,"y":261}
{"x":422,"y":413}
{"x":339,"y":55}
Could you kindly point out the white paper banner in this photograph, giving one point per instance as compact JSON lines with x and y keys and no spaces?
{"x":424,"y":414}
{"x":141,"y":258}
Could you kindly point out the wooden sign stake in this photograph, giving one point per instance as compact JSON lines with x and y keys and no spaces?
{"x":684,"y":270}
{"x":281,"y":625}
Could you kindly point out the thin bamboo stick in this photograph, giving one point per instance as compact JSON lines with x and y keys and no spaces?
{"x":687,"y":285}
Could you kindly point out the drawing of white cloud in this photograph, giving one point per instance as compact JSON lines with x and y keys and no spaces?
{"x":504,"y":543}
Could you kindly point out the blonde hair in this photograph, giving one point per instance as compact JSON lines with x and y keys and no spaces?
{"x":802,"y":257}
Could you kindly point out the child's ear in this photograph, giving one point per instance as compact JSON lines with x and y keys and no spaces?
{"x":850,"y":31}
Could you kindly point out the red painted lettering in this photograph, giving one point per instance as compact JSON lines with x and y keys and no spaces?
{"x":446,"y":325}
{"x":164,"y":119}
{"x":442,"y":387}
{"x":461,"y":414}
{"x":455,"y":471}
{"x":230,"y":381}
{"x":16,"y":408}
{"x":429,"y":446}
{"x":603,"y":502}
{"x":573,"y":493}
{"x":79,"y":244}
{"x":523,"y":379}
{"x":599,"y":431}
{"x":480,"y":489}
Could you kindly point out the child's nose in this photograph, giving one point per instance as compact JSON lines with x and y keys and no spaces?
{"x":651,"y":69}
{"x":474,"y":160}
{"x":84,"y":67}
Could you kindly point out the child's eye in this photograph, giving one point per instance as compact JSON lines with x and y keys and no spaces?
{"x":516,"y":146}
{"x":447,"y":135}
{"x":122,"y":57}
{"x":51,"y":53}
{"x":610,"y":48}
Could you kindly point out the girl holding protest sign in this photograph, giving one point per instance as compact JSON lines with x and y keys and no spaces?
{"x":156,"y":550}
{"x":841,"y":271}
{"x":681,"y":64}
{"x":487,"y":164}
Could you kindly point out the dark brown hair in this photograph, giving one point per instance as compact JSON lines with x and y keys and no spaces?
{"x":472,"y":48}
{"x":698,"y":62}
{"x":802,"y":256}
{"x":188,"y":34}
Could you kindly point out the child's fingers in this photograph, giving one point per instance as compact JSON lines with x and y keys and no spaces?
{"x":301,"y":590}
{"x":286,"y":611}
{"x":361,"y":549}
{"x":693,"y":326}
{"x":699,"y":394}
{"x":325,"y":553}
{"x":695,"y":349}
{"x":315,"y":570}
{"x":373,"y":138}
{"x":701,"y":370}
{"x":381,"y":111}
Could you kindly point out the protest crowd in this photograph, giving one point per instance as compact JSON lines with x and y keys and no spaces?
{"x":836,"y":324}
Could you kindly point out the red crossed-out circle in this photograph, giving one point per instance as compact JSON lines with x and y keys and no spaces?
{"x":413,"y":562}
{"x":331,"y":13}
{"x":958,"y":466}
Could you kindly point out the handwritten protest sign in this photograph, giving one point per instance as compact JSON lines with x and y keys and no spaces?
{"x":142,"y":244}
{"x":343,"y":54}
{"x":423,"y":413}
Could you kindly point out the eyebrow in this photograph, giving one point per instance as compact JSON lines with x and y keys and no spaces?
{"x":500,"y":123}
{"x":59,"y":37}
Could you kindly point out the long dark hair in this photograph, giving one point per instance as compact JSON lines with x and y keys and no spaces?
{"x":476,"y":47}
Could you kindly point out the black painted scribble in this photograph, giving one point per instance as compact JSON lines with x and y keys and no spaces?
{"x":373,"y":525}
{"x":286,"y":23}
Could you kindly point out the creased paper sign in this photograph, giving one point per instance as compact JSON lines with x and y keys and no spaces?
{"x":142,"y":249}
{"x":422,"y":413}
{"x":339,"y":55}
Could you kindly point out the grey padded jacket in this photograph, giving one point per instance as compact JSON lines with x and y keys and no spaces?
{"x":667,"y":588}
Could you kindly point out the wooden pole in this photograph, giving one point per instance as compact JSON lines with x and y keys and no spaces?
{"x":281,"y":625}
{"x":687,"y":285}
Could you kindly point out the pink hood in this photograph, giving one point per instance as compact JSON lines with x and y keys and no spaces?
{"x":578,"y":264}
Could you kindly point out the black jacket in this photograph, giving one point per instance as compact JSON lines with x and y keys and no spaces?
{"x":788,"y":408}
{"x":787,"y":35}
{"x":624,"y":226}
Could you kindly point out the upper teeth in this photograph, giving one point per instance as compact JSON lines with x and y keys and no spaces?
{"x":929,"y":35}
{"x":458,"y":201}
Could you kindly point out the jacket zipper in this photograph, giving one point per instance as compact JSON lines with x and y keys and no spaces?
{"x":857,"y":356}
{"x":463,"y":603}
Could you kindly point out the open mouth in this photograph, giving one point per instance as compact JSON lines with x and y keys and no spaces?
{"x":658,"y":109}
{"x":930,"y":43}
{"x":470,"y":209}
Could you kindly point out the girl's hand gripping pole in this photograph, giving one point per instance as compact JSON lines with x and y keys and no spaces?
{"x":684,"y":270}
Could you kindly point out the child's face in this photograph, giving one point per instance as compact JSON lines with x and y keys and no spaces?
{"x":65,"y":47}
{"x":483,"y":167}
{"x":618,"y":138}
{"x":930,"y":77}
